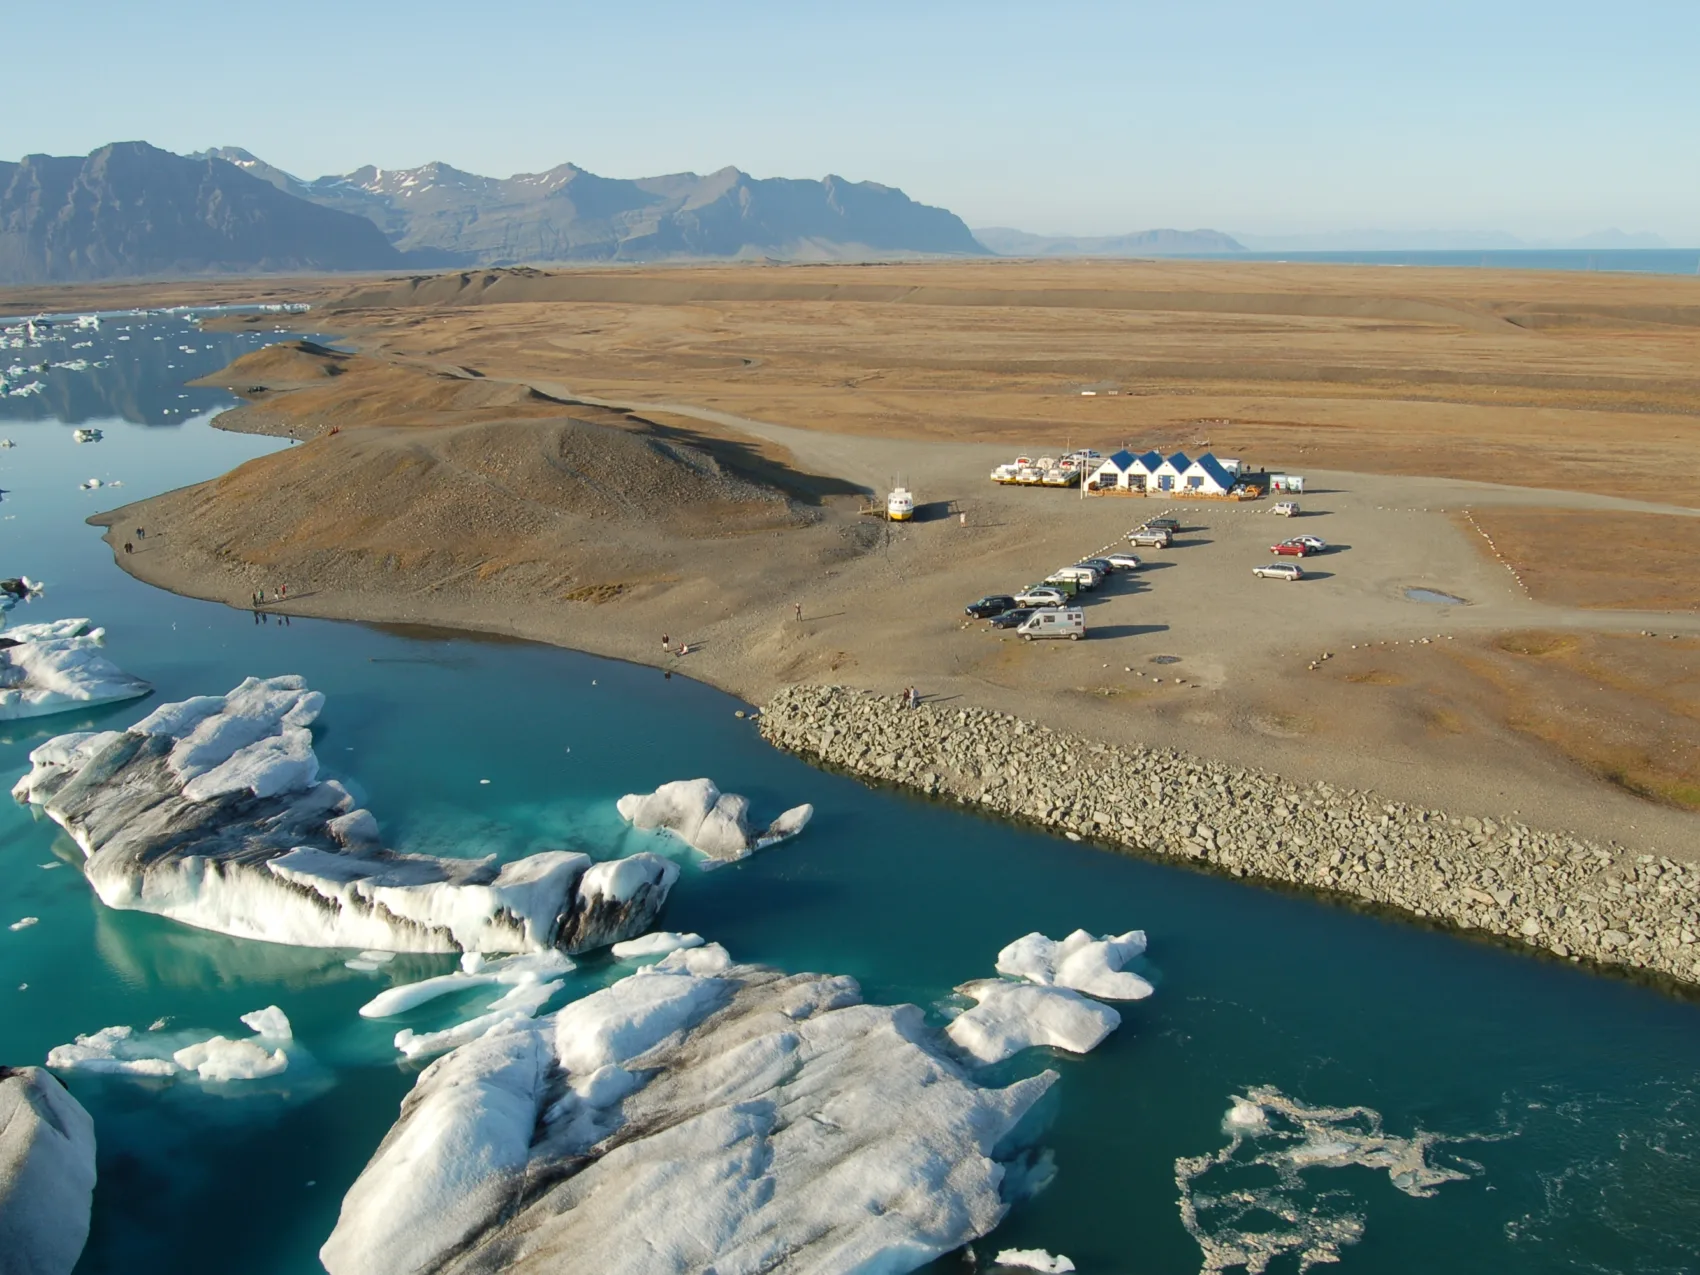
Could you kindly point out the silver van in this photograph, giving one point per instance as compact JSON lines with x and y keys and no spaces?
{"x":1056,"y":622}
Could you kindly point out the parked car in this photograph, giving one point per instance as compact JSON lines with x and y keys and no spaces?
{"x":1103,"y":566}
{"x":1012,"y":619}
{"x":1069,"y":624}
{"x":1041,"y":595}
{"x":1286,"y":509}
{"x":990,"y":605}
{"x":1124,"y":561}
{"x":1085,"y":577}
{"x":1156,"y":537}
{"x":1172,"y":524}
{"x":1290,"y":549}
{"x":1065,"y":585}
{"x":1316,"y":544}
{"x":1279,"y":571}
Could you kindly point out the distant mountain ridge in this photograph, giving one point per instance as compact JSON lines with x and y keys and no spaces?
{"x":133,"y":209}
{"x":437,"y":214}
{"x":1142,"y":243}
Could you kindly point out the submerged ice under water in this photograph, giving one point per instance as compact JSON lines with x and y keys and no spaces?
{"x":1597,"y":1080}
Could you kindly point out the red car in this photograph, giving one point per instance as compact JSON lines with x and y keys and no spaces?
{"x":1290,"y":549}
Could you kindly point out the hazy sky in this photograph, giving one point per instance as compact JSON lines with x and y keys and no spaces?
{"x":1544,"y":119}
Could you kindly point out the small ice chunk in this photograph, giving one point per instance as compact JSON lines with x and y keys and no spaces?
{"x":23,"y":923}
{"x":705,"y":962}
{"x":219,"y":1059}
{"x":1246,"y":1116}
{"x":655,"y":943}
{"x":1080,"y":961}
{"x":1010,"y":1017}
{"x":1035,"y":1259}
{"x":708,"y":820}
{"x":113,"y":1051}
{"x":520,"y":1003}
{"x":270,"y":1022}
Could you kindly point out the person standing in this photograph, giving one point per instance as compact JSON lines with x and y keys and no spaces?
{"x":799,"y":606}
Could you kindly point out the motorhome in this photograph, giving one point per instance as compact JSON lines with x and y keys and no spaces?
{"x":1061,"y":622}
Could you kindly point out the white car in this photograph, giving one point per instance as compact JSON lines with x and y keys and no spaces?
{"x":1287,"y":509}
{"x":1280,"y":571}
{"x":1041,"y":598}
{"x":1316,"y":544}
{"x":1124,"y":561}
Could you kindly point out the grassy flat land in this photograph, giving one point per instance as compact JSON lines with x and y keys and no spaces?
{"x":600,"y":456}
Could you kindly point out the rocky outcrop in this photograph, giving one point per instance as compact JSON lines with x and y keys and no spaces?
{"x":46,"y":1174}
{"x":1569,"y":897}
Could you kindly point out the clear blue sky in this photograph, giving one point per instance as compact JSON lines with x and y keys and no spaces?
{"x":1544,"y":119}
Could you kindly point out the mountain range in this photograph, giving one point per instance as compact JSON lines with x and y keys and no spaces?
{"x":133,"y":209}
{"x":449,"y":217}
{"x":130,"y":209}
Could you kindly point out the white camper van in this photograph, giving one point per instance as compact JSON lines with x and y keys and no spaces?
{"x":1056,"y":622}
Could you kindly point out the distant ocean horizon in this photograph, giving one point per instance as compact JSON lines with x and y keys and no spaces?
{"x":1630,"y":260}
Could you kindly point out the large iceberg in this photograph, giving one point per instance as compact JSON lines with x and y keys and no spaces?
{"x":706,"y":819}
{"x":696,"y":1115}
{"x":1080,"y":962}
{"x":211,"y":812}
{"x":56,"y":667}
{"x":46,"y":1174}
{"x":1010,"y":1017}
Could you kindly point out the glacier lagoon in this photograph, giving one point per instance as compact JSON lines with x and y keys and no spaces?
{"x":1558,"y":1112}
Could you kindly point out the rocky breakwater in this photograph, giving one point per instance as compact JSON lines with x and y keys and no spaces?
{"x":1570,"y":897}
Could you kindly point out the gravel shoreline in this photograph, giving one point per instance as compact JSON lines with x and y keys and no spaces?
{"x":1572,"y":898}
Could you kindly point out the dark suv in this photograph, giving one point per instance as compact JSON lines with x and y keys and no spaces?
{"x":987,"y":607}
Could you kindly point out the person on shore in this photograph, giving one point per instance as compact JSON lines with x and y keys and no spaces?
{"x":128,"y":547}
{"x":283,"y":591}
{"x":141,"y":534}
{"x":666,"y":642}
{"x":914,"y":699}
{"x":799,"y":606}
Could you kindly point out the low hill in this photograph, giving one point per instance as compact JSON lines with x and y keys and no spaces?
{"x":131,"y":210}
{"x":1142,"y":243}
{"x":438,"y":214}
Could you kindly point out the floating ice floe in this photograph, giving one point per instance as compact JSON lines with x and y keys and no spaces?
{"x":476,"y":972}
{"x":1010,"y":1017}
{"x":1034,"y":1259}
{"x":23,"y":923}
{"x":88,"y":436}
{"x":210,"y":811}
{"x":58,"y":666}
{"x":46,"y":1173}
{"x":708,"y":820}
{"x":1080,"y":962}
{"x":657,"y":943}
{"x":123,"y":1051}
{"x":1241,"y":1218}
{"x":763,"y":1122}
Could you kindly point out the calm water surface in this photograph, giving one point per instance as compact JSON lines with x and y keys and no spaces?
{"x":1569,"y":1102}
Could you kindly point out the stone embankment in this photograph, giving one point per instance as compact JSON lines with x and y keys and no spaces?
{"x":1572,"y":898}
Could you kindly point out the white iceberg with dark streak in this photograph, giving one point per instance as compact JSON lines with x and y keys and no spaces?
{"x":1080,"y":962}
{"x":57,"y":667}
{"x":211,"y":812}
{"x":706,"y":819}
{"x":1010,"y":1017}
{"x":46,"y":1174}
{"x":695,"y":1115}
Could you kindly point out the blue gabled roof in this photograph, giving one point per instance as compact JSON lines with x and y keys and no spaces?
{"x":1213,"y":467}
{"x":1151,"y":460}
{"x":1180,"y":462}
{"x":1121,"y":460}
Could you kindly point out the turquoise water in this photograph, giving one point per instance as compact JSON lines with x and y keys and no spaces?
{"x":1576,"y":1098}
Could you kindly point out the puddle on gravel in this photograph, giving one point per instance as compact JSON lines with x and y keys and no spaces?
{"x":1436,"y":596}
